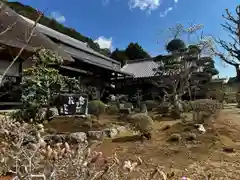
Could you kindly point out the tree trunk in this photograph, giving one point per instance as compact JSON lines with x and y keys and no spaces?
{"x":238,"y":85}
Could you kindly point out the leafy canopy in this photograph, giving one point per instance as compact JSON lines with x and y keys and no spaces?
{"x":42,"y":83}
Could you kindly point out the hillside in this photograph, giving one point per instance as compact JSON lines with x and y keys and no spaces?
{"x":33,"y":14}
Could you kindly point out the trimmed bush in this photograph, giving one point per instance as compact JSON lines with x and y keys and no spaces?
{"x":150,"y":105}
{"x":96,"y":108}
{"x":112,"y":109}
{"x":205,"y":108}
{"x":143,"y":123}
{"x":128,"y":105}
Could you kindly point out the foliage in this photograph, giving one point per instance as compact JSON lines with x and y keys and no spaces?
{"x":112,"y":109}
{"x":135,"y":51}
{"x":42,"y":83}
{"x":175,"y":45}
{"x":204,"y":108}
{"x":128,"y":105}
{"x":120,"y":55}
{"x":217,"y":94}
{"x":142,"y":122}
{"x":150,"y":104}
{"x":96,"y":107}
{"x":132,"y":52}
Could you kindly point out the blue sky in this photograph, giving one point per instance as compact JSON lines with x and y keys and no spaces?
{"x":115,"y":23}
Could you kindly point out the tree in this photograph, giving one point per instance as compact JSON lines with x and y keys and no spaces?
{"x":232,"y":46}
{"x":175,"y":71}
{"x":120,"y":55}
{"x":33,"y":14}
{"x":135,"y":51}
{"x":42,"y":83}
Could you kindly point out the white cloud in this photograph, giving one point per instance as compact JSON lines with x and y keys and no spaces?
{"x":148,"y":5}
{"x":163,"y":14}
{"x":104,"y":42}
{"x":58,"y":17}
{"x":176,"y":1}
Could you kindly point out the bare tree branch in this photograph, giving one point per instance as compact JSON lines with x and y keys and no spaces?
{"x":23,"y":48}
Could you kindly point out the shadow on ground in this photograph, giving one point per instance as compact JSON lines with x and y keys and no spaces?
{"x":127,"y":139}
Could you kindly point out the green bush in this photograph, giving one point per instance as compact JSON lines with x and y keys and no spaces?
{"x":150,"y":104}
{"x":141,"y":122}
{"x":96,"y":108}
{"x":113,"y":109}
{"x":128,"y":105}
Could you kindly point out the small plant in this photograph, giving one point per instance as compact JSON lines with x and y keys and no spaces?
{"x":96,"y":107}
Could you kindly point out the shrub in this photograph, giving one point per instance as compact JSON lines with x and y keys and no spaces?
{"x":142,"y":122}
{"x":38,"y":160}
{"x":164,"y":108}
{"x":150,"y":104}
{"x":216,"y":94}
{"x":41,"y":84}
{"x":128,"y":105}
{"x":96,"y":107}
{"x":112,"y":109}
{"x":204,"y":108}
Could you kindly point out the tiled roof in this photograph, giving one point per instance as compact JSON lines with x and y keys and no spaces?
{"x":17,"y":35}
{"x":79,"y":50}
{"x":67,"y":39}
{"x":141,"y":68}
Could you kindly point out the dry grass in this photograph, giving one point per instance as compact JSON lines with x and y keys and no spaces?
{"x":208,"y":156}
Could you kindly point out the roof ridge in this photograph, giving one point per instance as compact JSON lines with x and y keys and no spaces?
{"x":88,"y":50}
{"x":139,"y":60}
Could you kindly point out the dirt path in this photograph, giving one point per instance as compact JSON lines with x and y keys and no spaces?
{"x":195,"y":159}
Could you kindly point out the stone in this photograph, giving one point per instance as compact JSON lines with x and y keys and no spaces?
{"x":96,"y":135}
{"x":201,"y":128}
{"x":121,"y":129}
{"x":78,"y":137}
{"x":191,"y":137}
{"x":111,"y":132}
{"x":42,"y":114}
{"x":29,"y":139}
{"x":58,"y":138}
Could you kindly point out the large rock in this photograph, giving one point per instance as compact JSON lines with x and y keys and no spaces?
{"x":78,"y":137}
{"x":58,"y":138}
{"x":121,"y":129}
{"x":95,"y":135}
{"x":111,"y":132}
{"x":42,"y":114}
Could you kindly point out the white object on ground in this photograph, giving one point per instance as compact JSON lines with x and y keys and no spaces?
{"x":201,"y":128}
